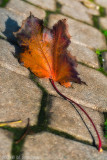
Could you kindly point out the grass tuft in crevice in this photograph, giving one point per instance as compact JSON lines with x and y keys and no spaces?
{"x":105,"y":125}
{"x":100,"y":58}
{"x":48,"y":12}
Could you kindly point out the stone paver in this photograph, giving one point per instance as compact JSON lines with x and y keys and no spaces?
{"x":105,"y":61}
{"x":11,"y":20}
{"x":5,"y":144}
{"x":103,"y":3}
{"x":64,"y":117}
{"x":46,"y":146}
{"x":84,"y":54}
{"x":82,"y":33}
{"x":92,"y":95}
{"x":9,"y":23}
{"x":7,"y":59}
{"x":103,"y":22}
{"x":23,"y":9}
{"x":46,"y":4}
{"x":70,"y":8}
{"x":20,"y":98}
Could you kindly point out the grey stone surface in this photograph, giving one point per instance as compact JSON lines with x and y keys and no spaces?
{"x":103,"y":22}
{"x":20,"y":98}
{"x":104,"y":56}
{"x":92,"y":95}
{"x":78,"y":11}
{"x":46,"y":4}
{"x":7,"y":59}
{"x":102,"y":3}
{"x":23,"y":9}
{"x":11,"y":20}
{"x":9,"y":23}
{"x":84,"y":54}
{"x":64,"y":117}
{"x":79,"y":14}
{"x":46,"y":146}
{"x":82,"y":34}
{"x":5,"y":144}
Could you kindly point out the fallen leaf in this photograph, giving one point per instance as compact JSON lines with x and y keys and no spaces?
{"x":45,"y":51}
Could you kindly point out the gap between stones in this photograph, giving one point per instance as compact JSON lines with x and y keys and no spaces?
{"x":43,"y":117}
{"x":42,"y":125}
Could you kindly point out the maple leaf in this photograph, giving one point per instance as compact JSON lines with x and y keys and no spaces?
{"x":45,"y":54}
{"x":45,"y":51}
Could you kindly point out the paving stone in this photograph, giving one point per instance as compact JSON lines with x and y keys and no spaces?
{"x":20,"y":98}
{"x":23,"y":9}
{"x":7,"y":59}
{"x":82,"y":34}
{"x":46,"y":4}
{"x":58,"y":148}
{"x":9,"y":23}
{"x":92,"y":95}
{"x":64,"y":117}
{"x":84,"y":54}
{"x":5,"y":144}
{"x":103,"y":22}
{"x":101,"y":2}
{"x":105,"y":61}
{"x":12,"y":20}
{"x":70,"y":8}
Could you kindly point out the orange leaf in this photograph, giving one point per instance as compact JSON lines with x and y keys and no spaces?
{"x":45,"y":51}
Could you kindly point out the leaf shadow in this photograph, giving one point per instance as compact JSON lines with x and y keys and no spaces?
{"x":12,"y":26}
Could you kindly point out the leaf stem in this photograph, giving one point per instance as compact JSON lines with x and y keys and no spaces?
{"x":24,"y":135}
{"x":71,"y":101}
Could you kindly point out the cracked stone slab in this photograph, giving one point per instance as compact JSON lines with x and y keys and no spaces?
{"x":103,"y":3}
{"x":58,"y":148}
{"x":46,"y":4}
{"x":20,"y":98}
{"x":84,"y":54}
{"x":92,"y":95}
{"x":70,"y":8}
{"x":103,"y":22}
{"x":64,"y":117}
{"x":5,"y":144}
{"x":7,"y":59}
{"x":81,"y":33}
{"x":23,"y":9}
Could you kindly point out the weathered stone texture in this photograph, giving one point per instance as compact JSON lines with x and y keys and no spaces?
{"x":46,"y":146}
{"x":23,"y":9}
{"x":5,"y":144}
{"x":46,"y":4}
{"x":7,"y":59}
{"x":65,"y":118}
{"x":102,"y":3}
{"x":20,"y":98}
